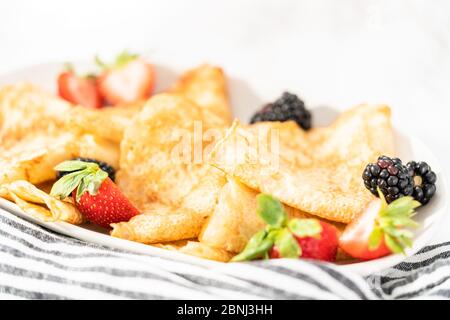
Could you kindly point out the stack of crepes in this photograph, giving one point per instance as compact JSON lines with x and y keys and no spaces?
{"x":192,"y":171}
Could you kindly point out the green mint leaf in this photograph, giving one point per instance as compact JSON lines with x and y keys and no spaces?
{"x":406,"y":242}
{"x":401,"y":221}
{"x":67,"y":184}
{"x":93,"y":186}
{"x":124,"y":58}
{"x":397,"y":233}
{"x":81,"y":189}
{"x":94,"y":181}
{"x":305,"y":227}
{"x":91,"y":183}
{"x":58,"y":188}
{"x":375,"y":238}
{"x":257,"y":239}
{"x":74,"y":165}
{"x":392,"y":244}
{"x":99,"y":62}
{"x":254,"y":253}
{"x":256,"y":247}
{"x":287,"y":245}
{"x":393,"y":219}
{"x":403,"y":206}
{"x":121,"y":60}
{"x":271,"y":210}
{"x":84,"y":176}
{"x":100,"y":176}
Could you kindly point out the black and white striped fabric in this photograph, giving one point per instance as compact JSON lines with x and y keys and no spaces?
{"x":38,"y":264}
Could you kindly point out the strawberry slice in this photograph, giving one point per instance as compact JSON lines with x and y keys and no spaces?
{"x":380,"y":229}
{"x":81,"y":90}
{"x":128,"y":80}
{"x":317,"y":240}
{"x":95,"y":195}
{"x":296,"y":238}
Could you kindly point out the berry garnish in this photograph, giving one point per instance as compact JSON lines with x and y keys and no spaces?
{"x":287,"y":107}
{"x":283,"y":238}
{"x":77,"y":89}
{"x":380,"y":229}
{"x":317,"y":240}
{"x":94,"y":194}
{"x":391,"y":176}
{"x":424,"y":181}
{"x":103,"y":165}
{"x":129,"y":79}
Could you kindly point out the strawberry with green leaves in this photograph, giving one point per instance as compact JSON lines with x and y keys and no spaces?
{"x":129,"y":79}
{"x":95,"y":195}
{"x":295,"y":238}
{"x":380,"y":229}
{"x":77,"y":89}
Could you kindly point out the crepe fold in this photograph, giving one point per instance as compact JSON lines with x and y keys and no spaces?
{"x":206,"y":87}
{"x":198,"y":249}
{"x":318,"y":172}
{"x":39,"y":204}
{"x":164,"y":224}
{"x":235,"y":219}
{"x":163,"y":160}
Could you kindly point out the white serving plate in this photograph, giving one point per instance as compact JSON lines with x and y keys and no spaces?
{"x":244,"y":103}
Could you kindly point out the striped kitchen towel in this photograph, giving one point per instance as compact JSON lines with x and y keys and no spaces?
{"x":36,"y":263}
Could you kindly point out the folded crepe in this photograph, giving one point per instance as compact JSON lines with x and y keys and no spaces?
{"x":206,"y":87}
{"x":39,"y":204}
{"x":176,"y":196}
{"x":235,"y":219}
{"x":317,"y":172}
{"x":163,"y":156}
{"x":26,"y":109}
{"x":39,"y":130}
{"x":197,"y":249}
{"x":163,"y":162}
{"x":34,"y":156}
{"x":162,"y":223}
{"x":108,"y":123}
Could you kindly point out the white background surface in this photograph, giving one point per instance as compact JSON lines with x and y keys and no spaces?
{"x":337,"y":53}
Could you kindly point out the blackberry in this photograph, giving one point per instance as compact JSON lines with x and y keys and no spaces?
{"x":424,"y":181}
{"x":287,"y":107}
{"x":391,"y":176}
{"x":103,"y":165}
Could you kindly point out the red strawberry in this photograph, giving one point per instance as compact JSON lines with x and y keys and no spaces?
{"x":379,"y":229}
{"x":96,"y":196}
{"x":108,"y":206}
{"x":129,"y":80}
{"x":322,"y":246}
{"x":283,"y":238}
{"x":78,"y":90}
